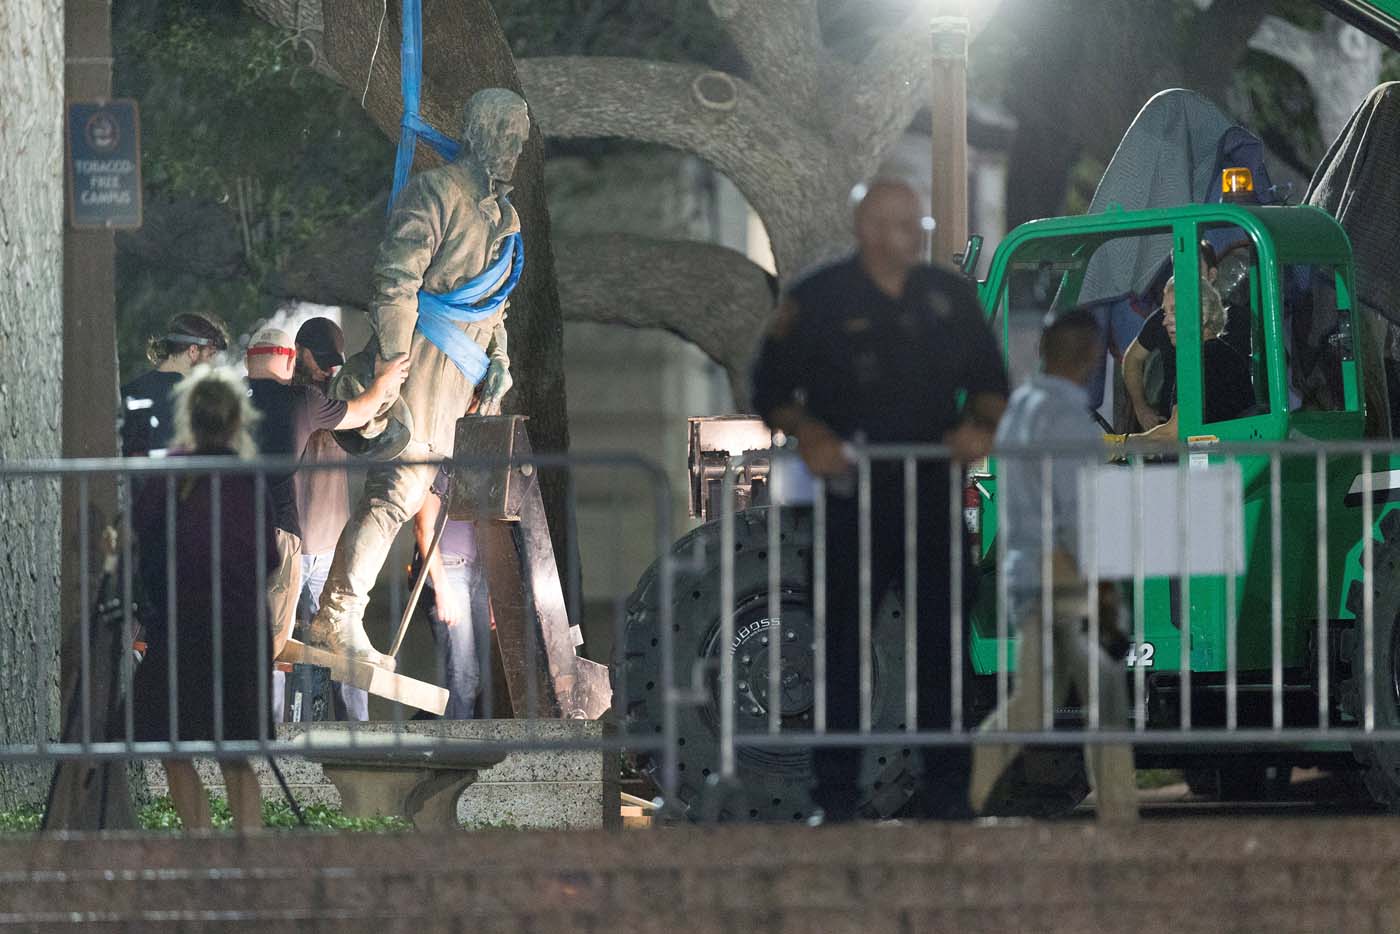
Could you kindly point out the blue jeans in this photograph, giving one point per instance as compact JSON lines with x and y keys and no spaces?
{"x":350,"y":703}
{"x":464,"y":648}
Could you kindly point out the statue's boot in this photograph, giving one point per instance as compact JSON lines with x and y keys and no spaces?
{"x":347,"y":637}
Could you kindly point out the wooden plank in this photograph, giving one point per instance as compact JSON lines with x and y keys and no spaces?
{"x":498,"y":544}
{"x":371,"y":678}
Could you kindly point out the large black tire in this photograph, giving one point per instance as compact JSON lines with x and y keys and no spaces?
{"x":773,"y":783}
{"x":1380,"y":761}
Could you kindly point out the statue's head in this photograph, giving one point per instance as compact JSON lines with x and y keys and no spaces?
{"x":496,"y":127}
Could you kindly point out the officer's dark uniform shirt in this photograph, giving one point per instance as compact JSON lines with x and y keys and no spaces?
{"x":890,"y":369}
{"x":148,"y":419}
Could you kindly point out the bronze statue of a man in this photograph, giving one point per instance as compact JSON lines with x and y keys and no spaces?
{"x":450,"y":257}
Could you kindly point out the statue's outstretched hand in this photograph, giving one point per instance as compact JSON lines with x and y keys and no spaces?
{"x":494,"y":387}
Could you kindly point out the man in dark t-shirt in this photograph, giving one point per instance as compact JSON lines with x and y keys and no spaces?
{"x":323,"y":495}
{"x":291,"y":413}
{"x":879,"y":348}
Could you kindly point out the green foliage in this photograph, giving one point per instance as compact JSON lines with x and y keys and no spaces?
{"x":1083,"y":182}
{"x":233,"y":116}
{"x":1158,"y":778}
{"x":160,"y":815}
{"x":1390,"y":65}
{"x":1306,"y":13}
{"x":25,"y":820}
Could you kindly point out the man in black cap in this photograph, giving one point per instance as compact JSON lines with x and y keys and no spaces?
{"x":320,"y":347}
{"x":323,"y":496}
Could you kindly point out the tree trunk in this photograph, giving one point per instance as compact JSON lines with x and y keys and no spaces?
{"x":31,"y":345}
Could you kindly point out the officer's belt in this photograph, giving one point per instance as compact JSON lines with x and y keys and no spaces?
{"x":476,"y":300}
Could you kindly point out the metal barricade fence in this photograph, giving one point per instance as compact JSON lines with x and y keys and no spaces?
{"x":1316,"y":664}
{"x":83,"y":730}
{"x":1304,"y":588}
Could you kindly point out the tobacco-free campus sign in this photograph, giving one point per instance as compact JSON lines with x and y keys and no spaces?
{"x":104,"y":164}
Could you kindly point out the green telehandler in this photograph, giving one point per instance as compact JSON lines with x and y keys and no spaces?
{"x":1281,"y":646}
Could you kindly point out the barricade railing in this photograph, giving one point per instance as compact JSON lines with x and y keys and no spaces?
{"x":1284,"y":646}
{"x":83,"y":730}
{"x":1259,"y":501}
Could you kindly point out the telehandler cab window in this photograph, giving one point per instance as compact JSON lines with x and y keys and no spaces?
{"x":1114,"y":276}
{"x":1234,"y":358}
{"x":1320,"y":344}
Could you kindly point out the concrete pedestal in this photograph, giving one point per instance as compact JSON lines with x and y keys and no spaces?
{"x":544,"y":789}
{"x":427,"y":798}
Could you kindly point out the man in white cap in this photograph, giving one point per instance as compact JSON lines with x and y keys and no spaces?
{"x":291,"y":412}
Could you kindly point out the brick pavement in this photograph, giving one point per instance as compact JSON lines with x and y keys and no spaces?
{"x":1182,"y":877}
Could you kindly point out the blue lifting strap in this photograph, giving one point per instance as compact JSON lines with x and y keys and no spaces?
{"x":438,"y":314}
{"x":413,"y":125}
{"x":484,"y":295}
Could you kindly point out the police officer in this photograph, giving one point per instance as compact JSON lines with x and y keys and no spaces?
{"x":880,"y":347}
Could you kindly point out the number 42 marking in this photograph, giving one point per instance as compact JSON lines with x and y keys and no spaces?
{"x":1142,"y":657}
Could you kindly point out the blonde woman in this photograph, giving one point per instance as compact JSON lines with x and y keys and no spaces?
{"x":213,"y":418}
{"x":1228,"y":391}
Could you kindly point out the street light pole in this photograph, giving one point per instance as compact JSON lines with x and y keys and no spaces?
{"x":948,"y":108}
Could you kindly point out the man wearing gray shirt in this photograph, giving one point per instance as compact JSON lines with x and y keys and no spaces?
{"x":1052,"y":408}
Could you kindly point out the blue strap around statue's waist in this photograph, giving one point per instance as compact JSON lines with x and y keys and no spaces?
{"x":476,"y":300}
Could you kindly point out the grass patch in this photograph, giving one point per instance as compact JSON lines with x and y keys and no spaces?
{"x":160,"y":815}
{"x":1159,"y":778}
{"x":24,"y":820}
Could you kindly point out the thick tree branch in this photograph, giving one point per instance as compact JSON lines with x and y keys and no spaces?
{"x":782,"y":44}
{"x":714,"y":297}
{"x":1282,"y":39}
{"x":782,"y":167}
{"x":887,"y":89}
{"x":193,"y":236}
{"x":1340,"y":63}
{"x":303,"y":18}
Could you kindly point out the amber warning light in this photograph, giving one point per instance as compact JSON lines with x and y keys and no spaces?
{"x":1236,"y":182}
